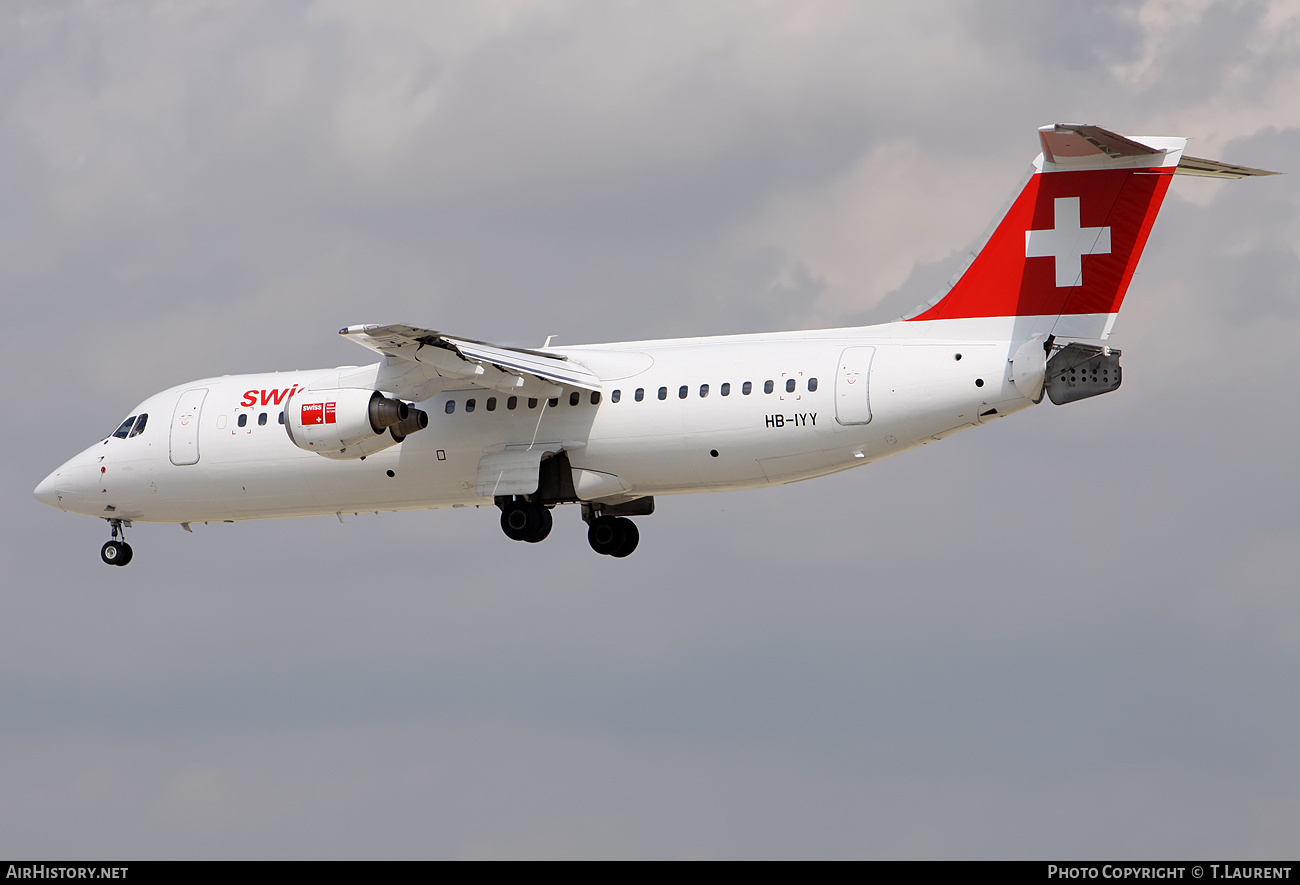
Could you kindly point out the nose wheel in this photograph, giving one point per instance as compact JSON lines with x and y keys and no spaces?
{"x":116,"y":551}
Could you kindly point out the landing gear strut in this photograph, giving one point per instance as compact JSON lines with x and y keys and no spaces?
{"x":615,"y":536}
{"x":525,"y":521}
{"x":116,"y":552}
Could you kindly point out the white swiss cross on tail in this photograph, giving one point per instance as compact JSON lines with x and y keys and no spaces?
{"x":1067,"y":243}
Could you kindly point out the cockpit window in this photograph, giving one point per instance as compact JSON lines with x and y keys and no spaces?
{"x":139,"y":424}
{"x":122,"y":431}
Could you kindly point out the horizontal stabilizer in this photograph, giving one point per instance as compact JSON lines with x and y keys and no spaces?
{"x":1214,"y":169}
{"x":1067,"y":144}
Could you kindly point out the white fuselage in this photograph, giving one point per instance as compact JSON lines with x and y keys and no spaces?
{"x":857,"y":395}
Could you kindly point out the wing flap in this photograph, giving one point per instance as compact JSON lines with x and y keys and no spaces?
{"x":555,"y":368}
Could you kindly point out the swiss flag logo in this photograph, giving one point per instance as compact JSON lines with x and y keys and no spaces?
{"x":1069,"y":244}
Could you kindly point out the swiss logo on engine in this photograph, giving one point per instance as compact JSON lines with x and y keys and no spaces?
{"x":318,"y":413}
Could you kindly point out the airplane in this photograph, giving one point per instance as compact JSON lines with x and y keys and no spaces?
{"x":442,"y":421}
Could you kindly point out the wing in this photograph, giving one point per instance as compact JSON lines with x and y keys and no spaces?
{"x":427,"y":361}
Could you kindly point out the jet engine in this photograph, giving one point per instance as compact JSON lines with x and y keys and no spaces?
{"x":418,"y":419}
{"x":348,"y":423}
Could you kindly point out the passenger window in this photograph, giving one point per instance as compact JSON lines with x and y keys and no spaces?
{"x":616,"y":396}
{"x":469,"y":405}
{"x":746,"y":388}
{"x":122,"y":431}
{"x":725,"y":389}
{"x":532,"y":402}
{"x":812,"y":384}
{"x":553,"y":401}
{"x":574,"y":398}
{"x":139,"y":425}
{"x":261,"y":420}
{"x":663,"y":393}
{"x":789,"y":385}
{"x":451,"y":406}
{"x":640,"y":394}
{"x":767,"y":387}
{"x":243,"y":421}
{"x":704,"y":391}
{"x":282,"y":417}
{"x":512,"y":402}
{"x":491,"y":404}
{"x":595,"y":397}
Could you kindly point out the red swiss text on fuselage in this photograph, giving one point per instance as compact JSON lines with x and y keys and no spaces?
{"x":272,"y":397}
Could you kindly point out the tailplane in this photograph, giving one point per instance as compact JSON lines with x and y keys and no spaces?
{"x":1060,"y":260}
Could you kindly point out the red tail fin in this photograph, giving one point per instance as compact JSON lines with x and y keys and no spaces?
{"x":1066,"y":249}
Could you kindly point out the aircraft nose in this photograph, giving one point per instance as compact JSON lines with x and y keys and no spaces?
{"x":73,"y":486}
{"x":46,"y":492}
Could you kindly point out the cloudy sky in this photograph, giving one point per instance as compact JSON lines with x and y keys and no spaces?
{"x":1072,"y":634}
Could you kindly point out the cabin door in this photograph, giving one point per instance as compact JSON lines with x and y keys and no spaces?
{"x":852,"y":405}
{"x":185,"y":427}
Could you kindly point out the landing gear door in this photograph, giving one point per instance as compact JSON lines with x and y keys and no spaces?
{"x":185,"y":427}
{"x":516,"y":470}
{"x":852,"y":404}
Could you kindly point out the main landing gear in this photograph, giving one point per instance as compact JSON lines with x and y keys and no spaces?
{"x":615,"y":536}
{"x":116,"y":552}
{"x":526,"y":521}
{"x":608,"y":535}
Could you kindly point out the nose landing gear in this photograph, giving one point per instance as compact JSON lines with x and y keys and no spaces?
{"x":116,"y":552}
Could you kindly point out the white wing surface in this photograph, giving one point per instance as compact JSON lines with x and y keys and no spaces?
{"x":444,"y":360}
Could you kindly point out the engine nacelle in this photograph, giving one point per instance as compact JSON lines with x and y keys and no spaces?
{"x":347,"y":423}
